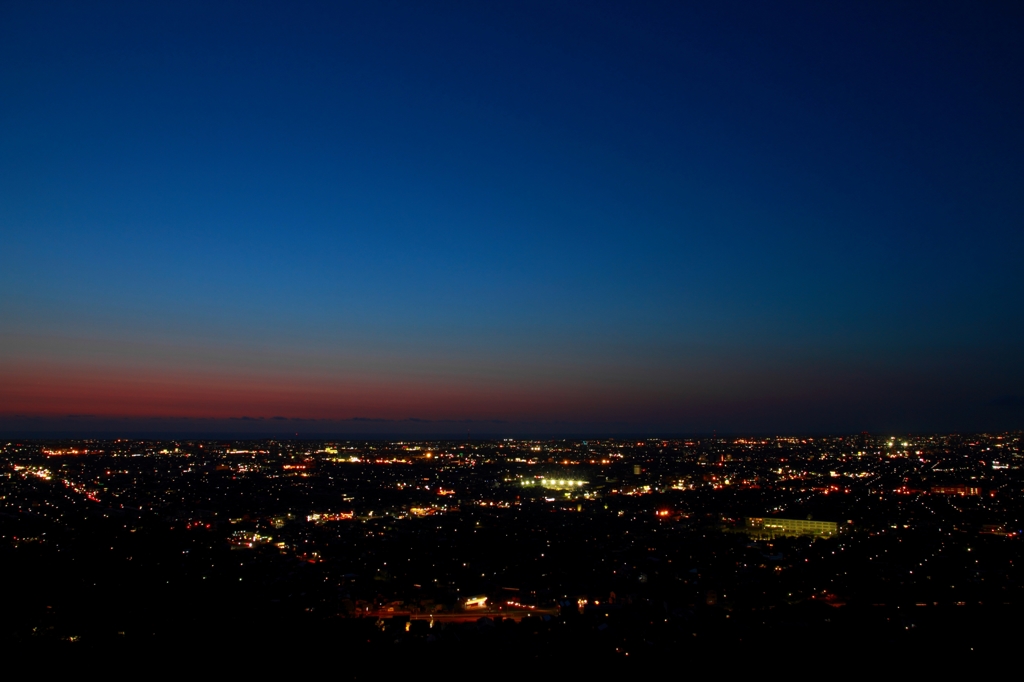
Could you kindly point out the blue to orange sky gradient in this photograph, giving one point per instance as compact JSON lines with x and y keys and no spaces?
{"x":510,"y":218}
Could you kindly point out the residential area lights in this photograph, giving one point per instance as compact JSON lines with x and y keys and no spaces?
{"x":659,"y":545}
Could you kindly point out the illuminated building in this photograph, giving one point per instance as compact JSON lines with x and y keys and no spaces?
{"x":773,"y":527}
{"x":961,"y":490}
{"x":554,"y":483}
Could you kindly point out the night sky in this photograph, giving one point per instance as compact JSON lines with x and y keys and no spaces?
{"x":511,"y":218}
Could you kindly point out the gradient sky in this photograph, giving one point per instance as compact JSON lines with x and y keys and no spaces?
{"x":511,"y":217}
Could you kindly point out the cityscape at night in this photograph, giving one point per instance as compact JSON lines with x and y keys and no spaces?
{"x":511,"y":338}
{"x":611,"y":548}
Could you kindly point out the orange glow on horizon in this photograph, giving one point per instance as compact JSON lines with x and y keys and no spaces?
{"x":52,"y":391}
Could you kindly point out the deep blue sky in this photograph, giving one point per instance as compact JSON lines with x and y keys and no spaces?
{"x":562,"y":216}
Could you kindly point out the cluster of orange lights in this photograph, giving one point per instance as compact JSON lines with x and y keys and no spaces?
{"x":422,"y":511}
{"x":330,"y":516}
